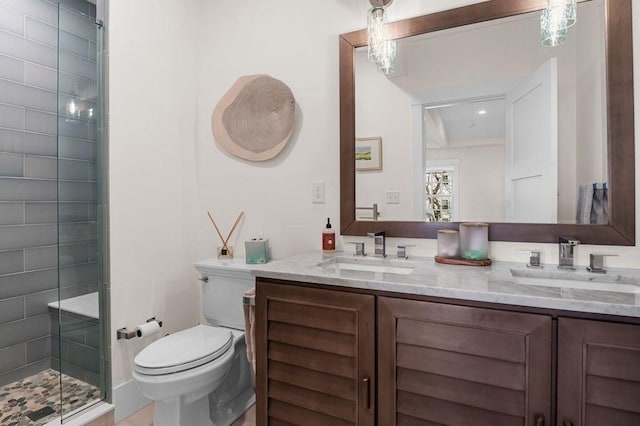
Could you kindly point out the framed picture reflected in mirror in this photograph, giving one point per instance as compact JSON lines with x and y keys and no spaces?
{"x":369,"y":153}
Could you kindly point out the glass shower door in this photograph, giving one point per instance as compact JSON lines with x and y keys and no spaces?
{"x":80,"y":345}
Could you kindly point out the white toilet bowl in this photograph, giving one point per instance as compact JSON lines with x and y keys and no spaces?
{"x":201,"y":376}
{"x":196,"y":377}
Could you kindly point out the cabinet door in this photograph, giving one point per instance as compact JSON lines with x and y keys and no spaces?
{"x":598,"y":373}
{"x":442,"y":364}
{"x":315,"y":356}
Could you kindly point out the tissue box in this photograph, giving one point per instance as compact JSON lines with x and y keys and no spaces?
{"x":257,"y":251}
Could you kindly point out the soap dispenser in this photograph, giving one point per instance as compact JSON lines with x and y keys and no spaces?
{"x":328,"y":239}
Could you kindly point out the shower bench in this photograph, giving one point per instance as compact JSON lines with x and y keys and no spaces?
{"x":75,"y":337}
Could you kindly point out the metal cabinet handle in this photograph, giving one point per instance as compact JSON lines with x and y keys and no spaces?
{"x":366,"y":392}
{"x":539,"y":420}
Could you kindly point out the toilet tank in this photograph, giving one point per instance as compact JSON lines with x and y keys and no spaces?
{"x":222,"y":293}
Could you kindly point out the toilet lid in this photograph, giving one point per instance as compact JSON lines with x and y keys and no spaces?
{"x":183,"y":350}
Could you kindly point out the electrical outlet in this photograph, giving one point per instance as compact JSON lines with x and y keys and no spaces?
{"x":317,"y":192}
{"x":393,"y":197}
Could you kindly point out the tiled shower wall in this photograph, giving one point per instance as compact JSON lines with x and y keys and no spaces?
{"x":31,"y":158}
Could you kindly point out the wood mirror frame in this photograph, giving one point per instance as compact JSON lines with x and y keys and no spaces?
{"x":620,"y":129}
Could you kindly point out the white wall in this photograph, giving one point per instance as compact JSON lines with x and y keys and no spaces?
{"x":591,"y":92}
{"x":384,"y":110}
{"x":170,"y":64}
{"x":481,"y":165}
{"x":152,"y":171}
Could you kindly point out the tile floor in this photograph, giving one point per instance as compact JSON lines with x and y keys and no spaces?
{"x":144,"y":417}
{"x":39,"y":391}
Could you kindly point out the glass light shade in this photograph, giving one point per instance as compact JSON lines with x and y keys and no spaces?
{"x":571,"y":12}
{"x":377,"y":34}
{"x":553,"y":27}
{"x":567,"y":10}
{"x":387,"y":62}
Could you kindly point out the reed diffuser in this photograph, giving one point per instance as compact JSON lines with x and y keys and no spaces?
{"x":225,"y":251}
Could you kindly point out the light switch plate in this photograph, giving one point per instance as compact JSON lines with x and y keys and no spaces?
{"x":393,"y":197}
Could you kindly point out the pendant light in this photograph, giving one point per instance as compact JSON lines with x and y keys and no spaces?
{"x":380,"y":49}
{"x":555,"y":21}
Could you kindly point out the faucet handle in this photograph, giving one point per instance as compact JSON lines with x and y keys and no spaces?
{"x":534,"y":259}
{"x":596,"y":263}
{"x":359,"y":248}
{"x":402,"y":251}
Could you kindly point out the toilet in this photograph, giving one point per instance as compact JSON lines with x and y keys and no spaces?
{"x":201,"y":376}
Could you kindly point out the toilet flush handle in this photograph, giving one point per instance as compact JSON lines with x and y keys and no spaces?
{"x":204,"y":279}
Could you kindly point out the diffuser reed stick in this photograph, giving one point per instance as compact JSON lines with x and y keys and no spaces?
{"x":217,"y":230}
{"x":234,"y":227}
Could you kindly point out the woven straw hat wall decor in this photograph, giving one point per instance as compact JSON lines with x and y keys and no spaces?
{"x":255,"y":118}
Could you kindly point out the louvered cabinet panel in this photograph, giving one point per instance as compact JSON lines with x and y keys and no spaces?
{"x":316,"y":356}
{"x":450,"y":365}
{"x":598,"y":373}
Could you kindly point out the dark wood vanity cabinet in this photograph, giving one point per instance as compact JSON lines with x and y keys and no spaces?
{"x":315,"y":356}
{"x":598,"y":373}
{"x":442,"y":364}
{"x":323,"y":360}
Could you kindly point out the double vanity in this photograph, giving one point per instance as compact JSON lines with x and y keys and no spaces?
{"x":346,"y":340}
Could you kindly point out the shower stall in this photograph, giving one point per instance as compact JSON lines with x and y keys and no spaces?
{"x":53,"y":333}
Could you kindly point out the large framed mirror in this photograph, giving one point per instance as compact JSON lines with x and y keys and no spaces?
{"x":596,"y":118}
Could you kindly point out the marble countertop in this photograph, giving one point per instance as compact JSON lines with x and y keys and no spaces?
{"x":615,"y":293}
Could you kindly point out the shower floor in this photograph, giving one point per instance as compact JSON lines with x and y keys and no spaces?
{"x":41,"y":390}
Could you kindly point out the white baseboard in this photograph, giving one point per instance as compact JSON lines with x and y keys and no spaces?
{"x":128,"y":399}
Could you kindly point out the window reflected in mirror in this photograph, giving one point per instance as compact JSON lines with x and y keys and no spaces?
{"x":440,"y":195}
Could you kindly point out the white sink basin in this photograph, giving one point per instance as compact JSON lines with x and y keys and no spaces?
{"x":386,"y":266}
{"x":576,"y":280}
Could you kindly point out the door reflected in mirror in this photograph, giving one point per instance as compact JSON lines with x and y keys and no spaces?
{"x":483,"y":123}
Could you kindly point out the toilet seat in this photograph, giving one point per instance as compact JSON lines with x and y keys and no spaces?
{"x":183,"y":350}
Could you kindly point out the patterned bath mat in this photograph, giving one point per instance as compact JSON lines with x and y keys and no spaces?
{"x":37,"y":395}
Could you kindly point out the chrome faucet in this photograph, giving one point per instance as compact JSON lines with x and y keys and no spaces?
{"x":565,"y":252}
{"x":379,"y":243}
{"x":359,"y":249}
